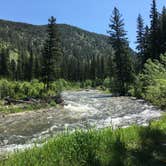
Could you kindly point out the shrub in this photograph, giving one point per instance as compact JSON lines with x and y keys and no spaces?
{"x":34,"y":89}
{"x":6,"y":88}
{"x":151,"y":83}
{"x":157,"y":93}
{"x":107,"y":82}
{"x":20,"y":90}
{"x":88,"y":83}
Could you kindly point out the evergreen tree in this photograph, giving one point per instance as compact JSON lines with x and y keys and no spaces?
{"x":163,"y":31}
{"x":20,"y":70}
{"x":78,"y":66}
{"x":25,"y":67}
{"x":4,"y":63}
{"x":37,"y":67}
{"x":154,"y":32}
{"x":93,"y":68}
{"x":13,"y":70}
{"x":98,"y":67}
{"x":51,"y":54}
{"x":102,"y":66}
{"x":146,"y":45}
{"x":64,"y":67}
{"x":31,"y":66}
{"x":140,"y":40}
{"x":87,"y":72}
{"x":123,"y":75}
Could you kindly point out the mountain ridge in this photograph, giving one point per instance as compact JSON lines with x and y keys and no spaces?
{"x":28,"y":37}
{"x":43,"y":25}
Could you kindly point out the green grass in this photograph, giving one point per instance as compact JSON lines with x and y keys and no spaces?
{"x":133,"y":146}
{"x":25,"y":107}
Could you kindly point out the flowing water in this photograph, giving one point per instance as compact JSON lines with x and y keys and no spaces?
{"x":82,"y":109}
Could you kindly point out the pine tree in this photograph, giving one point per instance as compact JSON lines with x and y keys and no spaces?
{"x":20,"y":68}
{"x":37,"y":67}
{"x":163,"y":31}
{"x":64,"y":67}
{"x":140,"y":40}
{"x":25,"y":67}
{"x":154,"y":32}
{"x":31,"y":66}
{"x":93,"y":68}
{"x":4,"y":63}
{"x":146,"y":45}
{"x":13,"y":70}
{"x":102,"y":65}
{"x":123,"y":75}
{"x":51,"y":54}
{"x":98,"y":66}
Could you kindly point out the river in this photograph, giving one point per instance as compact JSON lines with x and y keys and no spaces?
{"x":82,"y":109}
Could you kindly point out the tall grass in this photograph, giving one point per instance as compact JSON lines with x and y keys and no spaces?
{"x":133,"y":146}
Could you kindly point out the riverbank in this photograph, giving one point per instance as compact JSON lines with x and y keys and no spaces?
{"x":84,"y":109}
{"x":128,"y":146}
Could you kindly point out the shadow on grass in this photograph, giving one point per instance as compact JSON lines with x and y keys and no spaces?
{"x":151,"y":150}
{"x":85,"y":148}
{"x":118,"y":152}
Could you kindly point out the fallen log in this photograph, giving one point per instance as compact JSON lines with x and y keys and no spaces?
{"x":9,"y":101}
{"x":58,"y":99}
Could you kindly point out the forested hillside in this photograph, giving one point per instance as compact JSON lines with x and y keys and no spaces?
{"x":22,"y":36}
{"x":24,"y":42}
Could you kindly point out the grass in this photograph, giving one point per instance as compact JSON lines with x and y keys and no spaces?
{"x":24,"y":107}
{"x":133,"y":146}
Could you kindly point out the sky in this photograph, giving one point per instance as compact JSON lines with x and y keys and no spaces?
{"x":91,"y":15}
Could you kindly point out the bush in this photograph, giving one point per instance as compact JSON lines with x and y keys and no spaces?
{"x":151,"y":83}
{"x":52,"y":103}
{"x":6,"y":88}
{"x":88,"y":83}
{"x":34,"y":89}
{"x":156,"y":93}
{"x":20,"y":90}
{"x":107,"y":82}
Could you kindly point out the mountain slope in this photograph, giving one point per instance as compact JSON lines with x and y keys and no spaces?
{"x":75,"y":41}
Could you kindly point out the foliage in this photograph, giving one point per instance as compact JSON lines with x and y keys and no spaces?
{"x":151,"y":41}
{"x":33,"y":89}
{"x":123,"y":69}
{"x":156,"y":93}
{"x":52,"y":54}
{"x":107,"y":82}
{"x":140,"y":43}
{"x":140,"y":146}
{"x":8,"y":109}
{"x":18,"y":90}
{"x":151,"y":83}
{"x":154,"y":37}
{"x":88,"y":83}
{"x":25,"y":44}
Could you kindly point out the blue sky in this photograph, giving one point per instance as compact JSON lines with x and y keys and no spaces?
{"x":92,"y":15}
